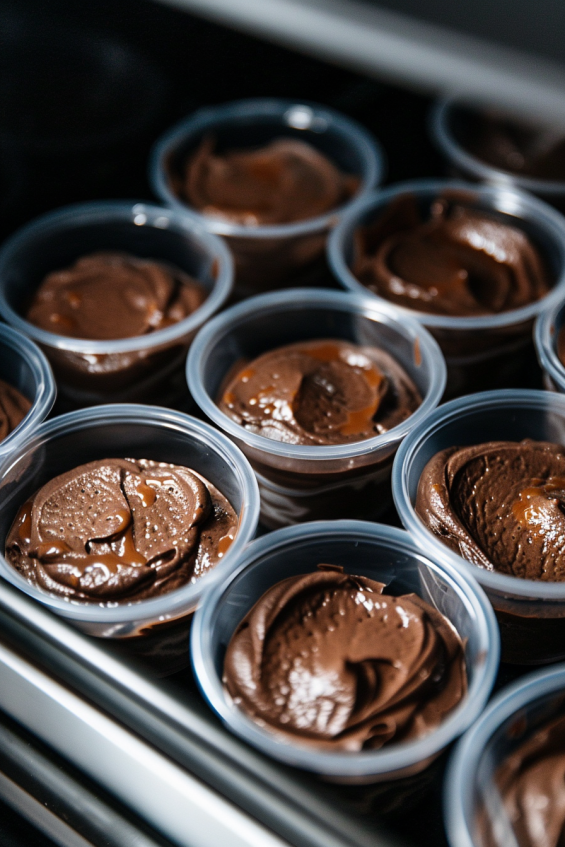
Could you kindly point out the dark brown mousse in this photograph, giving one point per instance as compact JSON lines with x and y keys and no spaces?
{"x":531,"y":781}
{"x":326,"y":659}
{"x":500,"y":505}
{"x":561,"y":345}
{"x":13,"y":408}
{"x":284,"y":181}
{"x":453,"y":260}
{"x":120,"y":531}
{"x":509,"y":144}
{"x":106,"y":296}
{"x":321,"y":392}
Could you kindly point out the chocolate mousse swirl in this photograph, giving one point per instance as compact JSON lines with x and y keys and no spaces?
{"x":531,"y":781}
{"x":500,"y":505}
{"x":326,"y":659}
{"x":321,"y":392}
{"x":457,"y":261}
{"x":105,"y":296}
{"x":13,"y":408}
{"x":284,"y":181}
{"x":120,"y":530}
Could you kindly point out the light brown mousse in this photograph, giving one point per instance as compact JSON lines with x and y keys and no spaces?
{"x":500,"y":505}
{"x":13,"y":408}
{"x":451,"y":260}
{"x":320,"y":392}
{"x":327,"y":660}
{"x":106,"y":296}
{"x":284,"y":181}
{"x":120,"y":531}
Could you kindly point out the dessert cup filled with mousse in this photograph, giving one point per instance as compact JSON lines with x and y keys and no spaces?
{"x":272,"y":177}
{"x":475,"y":265}
{"x":27,"y":388}
{"x":120,"y":517}
{"x":113,"y":292}
{"x":481,"y":484}
{"x":549,"y":337}
{"x":505,"y":785}
{"x":502,"y":147}
{"x":318,"y":388}
{"x":339,"y":648}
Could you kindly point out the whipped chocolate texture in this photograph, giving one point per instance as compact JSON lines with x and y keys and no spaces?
{"x":120,"y":531}
{"x":531,"y":782}
{"x":509,"y":144}
{"x":286,"y":180}
{"x":500,"y":505}
{"x":327,"y":660}
{"x":454,"y":261}
{"x":320,"y":392}
{"x":13,"y":408}
{"x":106,"y":296}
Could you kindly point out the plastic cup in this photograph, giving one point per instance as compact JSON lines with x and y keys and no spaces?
{"x":385,"y":554}
{"x":546,"y":337}
{"x":452,"y":123}
{"x":147,"y":367}
{"x":25,"y":367}
{"x":139,"y":432}
{"x":286,"y":254}
{"x":305,"y":482}
{"x":487,"y":351}
{"x":531,"y":613}
{"x":473,"y":809}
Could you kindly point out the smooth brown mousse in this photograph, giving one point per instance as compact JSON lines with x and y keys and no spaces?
{"x":500,"y":505}
{"x":284,"y":181}
{"x":453,"y":260}
{"x":120,"y":531}
{"x":561,"y":345}
{"x":13,"y":408}
{"x":106,"y":296}
{"x":531,"y":782}
{"x":518,"y":147}
{"x":320,"y":392}
{"x":327,"y":660}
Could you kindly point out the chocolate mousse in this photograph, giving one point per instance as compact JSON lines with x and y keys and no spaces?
{"x":327,"y":660}
{"x":120,"y":531}
{"x":450,"y":260}
{"x":284,"y":181}
{"x":500,"y":505}
{"x":531,"y":782}
{"x":320,"y":392}
{"x":514,"y":145}
{"x":13,"y":408}
{"x":106,"y":296}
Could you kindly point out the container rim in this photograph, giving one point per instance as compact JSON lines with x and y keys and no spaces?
{"x":519,"y":398}
{"x":379,"y":762}
{"x":45,"y":387}
{"x":440,"y":127}
{"x":545,"y":339}
{"x":140,"y":214}
{"x":311,"y":298}
{"x":506,"y":199}
{"x":181,"y":599}
{"x":459,"y":777}
{"x":367,"y":147}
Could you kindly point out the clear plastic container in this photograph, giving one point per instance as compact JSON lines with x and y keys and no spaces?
{"x":139,"y":432}
{"x":23,"y":365}
{"x":473,"y":810}
{"x":451,"y":119}
{"x":271,"y":256}
{"x":487,"y":351}
{"x":531,"y":613}
{"x":546,"y":336}
{"x":385,"y":554}
{"x":304,"y":482}
{"x":147,"y":367}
